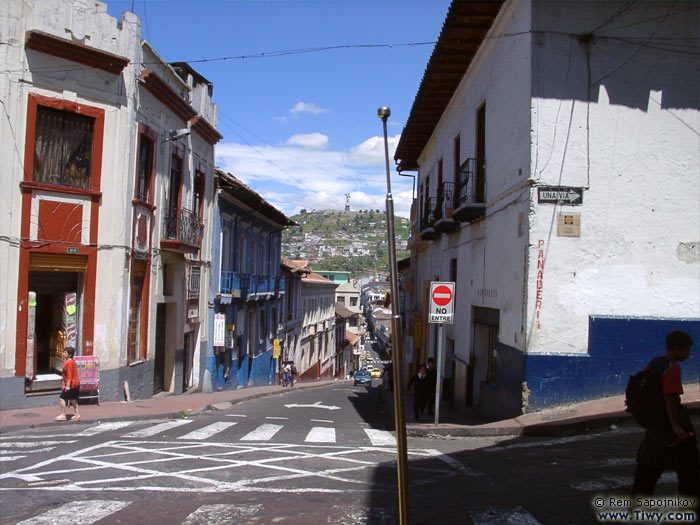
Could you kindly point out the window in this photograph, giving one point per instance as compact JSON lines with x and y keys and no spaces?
{"x":457,"y":163}
{"x":198,"y":194}
{"x":353,"y":321}
{"x":261,"y":333}
{"x":175,"y":182}
{"x":353,"y":301}
{"x":62,"y":148}
{"x":341,"y":300}
{"x":480,"y":189}
{"x":145,"y":168}
{"x":193,"y":288}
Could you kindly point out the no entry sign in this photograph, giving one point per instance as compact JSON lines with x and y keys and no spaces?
{"x":442,"y":302}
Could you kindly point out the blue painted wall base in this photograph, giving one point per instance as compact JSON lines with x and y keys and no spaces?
{"x":246,"y":372}
{"x":617,"y":348}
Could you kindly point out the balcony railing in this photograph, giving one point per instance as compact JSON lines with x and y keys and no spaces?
{"x":245,"y":284}
{"x":470,"y":193}
{"x":445,"y":204}
{"x":182,"y":225}
{"x":427,"y":220}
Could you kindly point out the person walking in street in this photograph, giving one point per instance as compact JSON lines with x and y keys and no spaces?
{"x":286,"y":374}
{"x":71,"y":386}
{"x":670,"y":443}
{"x":432,"y":380}
{"x":421,"y":392}
{"x":293,"y":374}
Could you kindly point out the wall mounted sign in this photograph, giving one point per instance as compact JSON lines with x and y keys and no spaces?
{"x":567,"y":195}
{"x":568,"y":225}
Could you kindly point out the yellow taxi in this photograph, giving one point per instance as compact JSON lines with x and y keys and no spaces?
{"x":376,"y":372}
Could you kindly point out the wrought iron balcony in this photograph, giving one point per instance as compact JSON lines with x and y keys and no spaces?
{"x":470,"y":193}
{"x":444,"y":209}
{"x":182,"y":231}
{"x":427,"y":220}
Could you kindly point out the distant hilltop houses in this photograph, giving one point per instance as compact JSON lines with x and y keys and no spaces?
{"x":354,"y":241}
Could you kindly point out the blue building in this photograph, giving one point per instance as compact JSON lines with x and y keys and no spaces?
{"x":247,"y":288}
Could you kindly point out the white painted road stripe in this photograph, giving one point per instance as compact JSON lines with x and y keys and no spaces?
{"x":322,"y":420}
{"x":262,"y":433}
{"x":208,"y":431}
{"x":77,"y":513}
{"x":11,"y":458}
{"x":32,"y":444}
{"x":499,"y":516}
{"x":152,"y":431}
{"x":221,"y":514}
{"x":104,"y":427}
{"x":380,"y":438}
{"x":275,"y":417}
{"x":236,"y":415}
{"x":321,"y":435}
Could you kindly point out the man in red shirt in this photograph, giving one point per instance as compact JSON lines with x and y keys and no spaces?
{"x":671,"y":444}
{"x":71,"y":385}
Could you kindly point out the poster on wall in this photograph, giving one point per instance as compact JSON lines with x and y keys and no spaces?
{"x":219,"y":329}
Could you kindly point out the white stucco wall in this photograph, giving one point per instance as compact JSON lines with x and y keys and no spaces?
{"x":499,"y":76}
{"x":636,"y":148}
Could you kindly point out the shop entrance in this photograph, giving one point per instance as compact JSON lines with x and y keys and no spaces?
{"x":55,"y":305}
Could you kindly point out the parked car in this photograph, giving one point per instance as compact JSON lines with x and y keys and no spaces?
{"x":362,"y":377}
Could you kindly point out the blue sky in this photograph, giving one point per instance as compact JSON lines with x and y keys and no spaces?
{"x":301,"y":128}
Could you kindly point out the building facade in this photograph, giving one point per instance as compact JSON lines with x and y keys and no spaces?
{"x":558,"y":177}
{"x":111,"y":176}
{"x":292,"y":309}
{"x":247,"y":307}
{"x":317,"y":348}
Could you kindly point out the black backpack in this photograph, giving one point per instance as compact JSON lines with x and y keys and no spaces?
{"x":644,"y":397}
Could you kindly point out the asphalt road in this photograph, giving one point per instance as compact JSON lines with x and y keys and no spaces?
{"x":315,"y":456}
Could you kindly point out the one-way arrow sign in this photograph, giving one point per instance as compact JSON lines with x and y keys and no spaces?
{"x":560,"y":195}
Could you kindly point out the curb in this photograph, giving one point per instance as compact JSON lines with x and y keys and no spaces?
{"x":170,"y":414}
{"x":570,"y":427}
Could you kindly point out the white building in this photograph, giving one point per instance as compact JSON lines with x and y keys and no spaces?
{"x":556,"y":144}
{"x":318,"y":328}
{"x":292,"y":309}
{"x":108,"y":157}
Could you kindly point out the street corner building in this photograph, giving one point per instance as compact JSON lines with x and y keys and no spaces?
{"x":108,"y":170}
{"x":249,"y":295}
{"x":557,"y":160}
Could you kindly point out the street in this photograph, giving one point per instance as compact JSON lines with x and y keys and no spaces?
{"x":321,"y":455}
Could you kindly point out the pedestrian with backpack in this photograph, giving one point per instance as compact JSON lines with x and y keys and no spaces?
{"x":669,"y":441}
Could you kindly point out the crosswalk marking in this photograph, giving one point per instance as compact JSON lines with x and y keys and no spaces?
{"x":77,"y":513}
{"x":11,"y":458}
{"x":208,"y":431}
{"x":104,"y":427}
{"x":156,"y":429}
{"x":321,"y":435}
{"x":380,"y":438}
{"x":221,"y":514}
{"x":518,"y":516}
{"x":262,"y":433}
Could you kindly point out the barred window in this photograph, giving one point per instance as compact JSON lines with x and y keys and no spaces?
{"x":193,"y":292}
{"x":63,"y":148}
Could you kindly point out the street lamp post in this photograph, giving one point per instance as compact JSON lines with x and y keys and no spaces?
{"x":396,"y":356}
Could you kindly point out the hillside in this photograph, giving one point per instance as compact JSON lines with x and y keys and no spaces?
{"x":350,"y":241}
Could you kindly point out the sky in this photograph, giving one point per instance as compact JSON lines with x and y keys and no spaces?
{"x":298,"y":114}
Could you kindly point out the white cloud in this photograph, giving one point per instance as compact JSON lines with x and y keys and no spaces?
{"x":292,"y":178}
{"x":309,"y":140}
{"x":307,"y":107}
{"x":371,"y":151}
